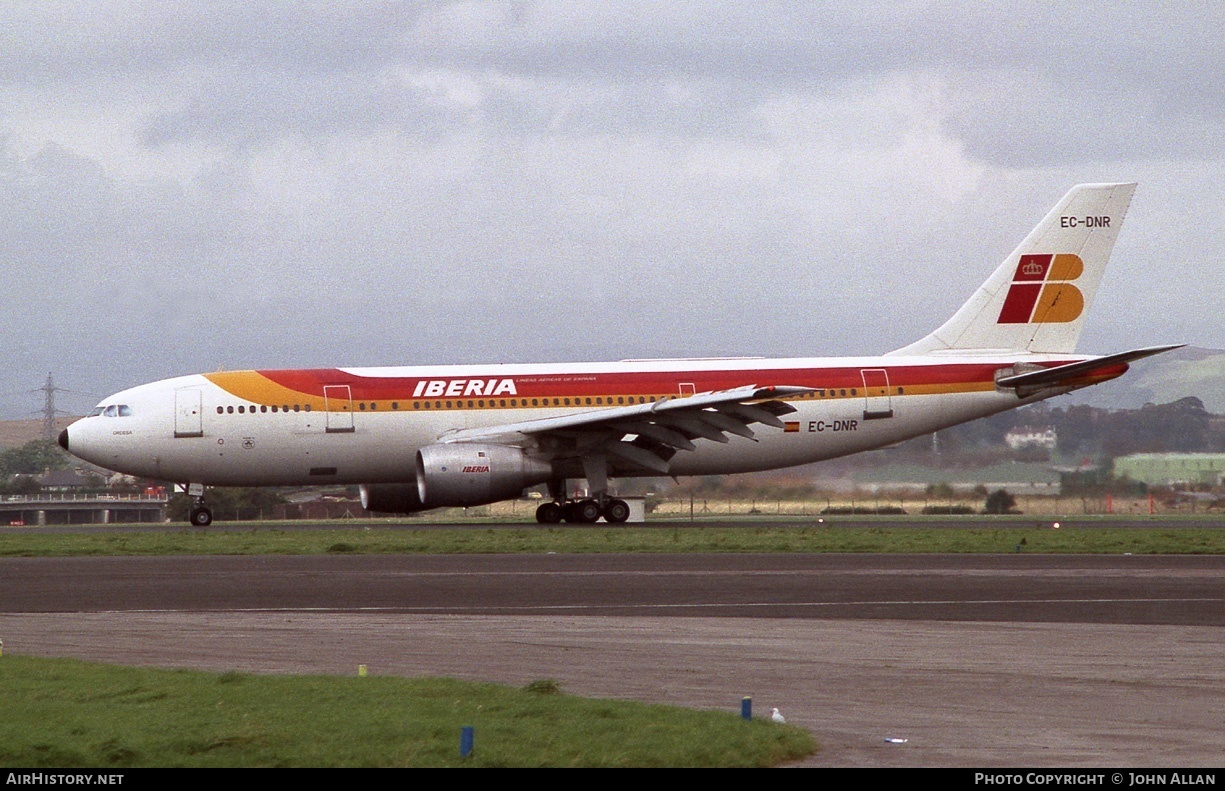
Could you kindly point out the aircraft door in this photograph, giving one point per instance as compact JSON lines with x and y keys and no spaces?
{"x":188,"y":414}
{"x":877,"y":403}
{"x":338,"y":405}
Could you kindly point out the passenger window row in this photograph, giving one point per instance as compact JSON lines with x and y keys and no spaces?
{"x":373,"y":406}
{"x":244,"y":409}
{"x":523,"y":402}
{"x":836,"y":392}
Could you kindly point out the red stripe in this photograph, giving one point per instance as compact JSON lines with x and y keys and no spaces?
{"x":563,"y":385}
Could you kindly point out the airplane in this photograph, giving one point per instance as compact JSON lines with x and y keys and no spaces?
{"x":417,"y":438}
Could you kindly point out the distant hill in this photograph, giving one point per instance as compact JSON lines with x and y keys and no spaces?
{"x":1190,"y":371}
{"x":15,"y":433}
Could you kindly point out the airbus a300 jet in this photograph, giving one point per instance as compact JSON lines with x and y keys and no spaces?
{"x":423,"y":437}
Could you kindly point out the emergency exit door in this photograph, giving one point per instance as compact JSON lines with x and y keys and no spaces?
{"x":338,"y":406}
{"x":877,"y":403}
{"x":188,"y":415}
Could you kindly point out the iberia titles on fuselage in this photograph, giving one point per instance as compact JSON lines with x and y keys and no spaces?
{"x":425,"y":437}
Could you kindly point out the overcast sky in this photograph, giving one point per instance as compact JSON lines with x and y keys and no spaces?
{"x":196,"y":186}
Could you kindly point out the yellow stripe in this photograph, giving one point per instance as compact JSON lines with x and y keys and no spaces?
{"x":255,"y":387}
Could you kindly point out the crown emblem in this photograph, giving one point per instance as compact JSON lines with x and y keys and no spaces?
{"x":1032,"y":268}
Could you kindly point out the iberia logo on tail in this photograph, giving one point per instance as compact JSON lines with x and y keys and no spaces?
{"x":1042,"y":290}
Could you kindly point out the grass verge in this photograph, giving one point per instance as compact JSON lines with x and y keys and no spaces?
{"x":68,"y":713}
{"x":262,"y":540}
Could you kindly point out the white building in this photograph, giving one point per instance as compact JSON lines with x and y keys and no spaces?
{"x":1027,"y":436}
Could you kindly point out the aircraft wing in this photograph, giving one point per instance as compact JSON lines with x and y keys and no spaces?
{"x":656,"y":431}
{"x":1067,"y":374}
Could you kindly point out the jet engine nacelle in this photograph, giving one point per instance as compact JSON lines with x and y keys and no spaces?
{"x":464,"y":474}
{"x":391,"y":498}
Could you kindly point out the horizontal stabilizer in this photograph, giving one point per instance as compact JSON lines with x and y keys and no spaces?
{"x":1063,"y":374}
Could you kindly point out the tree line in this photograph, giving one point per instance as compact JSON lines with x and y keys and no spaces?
{"x":1182,"y":426}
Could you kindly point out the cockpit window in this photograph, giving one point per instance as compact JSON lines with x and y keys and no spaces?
{"x":111,"y":410}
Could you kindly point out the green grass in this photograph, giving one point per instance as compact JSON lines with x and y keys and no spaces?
{"x":1002,"y":534}
{"x":68,"y":713}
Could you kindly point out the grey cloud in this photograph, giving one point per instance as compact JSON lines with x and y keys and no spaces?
{"x":380,"y":183}
{"x":1130,"y":76}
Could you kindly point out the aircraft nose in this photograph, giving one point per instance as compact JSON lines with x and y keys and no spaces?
{"x":64,"y":439}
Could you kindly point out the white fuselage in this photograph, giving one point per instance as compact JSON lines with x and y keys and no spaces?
{"x":347,"y":426}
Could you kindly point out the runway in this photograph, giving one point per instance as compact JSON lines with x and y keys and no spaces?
{"x":1040,"y":588}
{"x":1002,"y":660}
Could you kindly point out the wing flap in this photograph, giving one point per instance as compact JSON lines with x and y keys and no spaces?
{"x":639,"y":456}
{"x":757,"y":414}
{"x":659,"y":433}
{"x":656,"y":430}
{"x":696,"y":427}
{"x":607,"y":417}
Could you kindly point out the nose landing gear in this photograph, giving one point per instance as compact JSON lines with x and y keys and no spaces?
{"x":200,"y":515}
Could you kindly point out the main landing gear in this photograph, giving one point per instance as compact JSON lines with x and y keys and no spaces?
{"x":586,"y":511}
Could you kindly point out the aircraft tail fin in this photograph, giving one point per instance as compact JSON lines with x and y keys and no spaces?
{"x":1037,"y":300}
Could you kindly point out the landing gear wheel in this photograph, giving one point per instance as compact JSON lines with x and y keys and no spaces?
{"x":586,"y":511}
{"x":548,"y":514}
{"x":616,"y":512}
{"x":201,"y":517}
